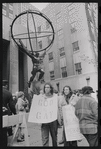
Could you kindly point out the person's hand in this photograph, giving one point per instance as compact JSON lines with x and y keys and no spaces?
{"x":4,"y":109}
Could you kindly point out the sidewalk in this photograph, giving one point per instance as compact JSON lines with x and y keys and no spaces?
{"x":34,"y":133}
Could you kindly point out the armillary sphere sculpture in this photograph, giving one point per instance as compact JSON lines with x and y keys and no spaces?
{"x":37,"y":36}
{"x":32,"y":20}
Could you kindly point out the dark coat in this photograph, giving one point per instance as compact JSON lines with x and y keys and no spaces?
{"x":86,"y":110}
{"x":7,"y":101}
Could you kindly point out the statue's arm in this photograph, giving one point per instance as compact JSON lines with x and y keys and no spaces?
{"x":24,"y":49}
{"x":43,"y":54}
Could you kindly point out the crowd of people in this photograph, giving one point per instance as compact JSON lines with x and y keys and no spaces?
{"x":86,"y":110}
{"x":13,"y":104}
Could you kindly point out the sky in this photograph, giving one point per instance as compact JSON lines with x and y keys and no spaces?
{"x":40,"y":6}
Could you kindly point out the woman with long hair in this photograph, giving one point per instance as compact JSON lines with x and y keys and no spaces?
{"x":68,"y":98}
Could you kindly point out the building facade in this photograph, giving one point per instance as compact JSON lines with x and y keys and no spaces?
{"x":72,"y":59}
{"x":15,"y":63}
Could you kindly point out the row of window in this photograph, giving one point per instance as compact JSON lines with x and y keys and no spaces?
{"x":62,"y":50}
{"x":39,"y":27}
{"x":4,"y":12}
{"x":72,"y":17}
{"x":78,"y":70}
{"x":72,"y":20}
{"x":48,"y":41}
{"x":10,"y":9}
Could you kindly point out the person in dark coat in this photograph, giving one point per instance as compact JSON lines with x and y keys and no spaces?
{"x":86,"y":109}
{"x":68,"y":98}
{"x":6,"y":109}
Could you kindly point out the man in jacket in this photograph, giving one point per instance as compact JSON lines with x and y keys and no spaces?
{"x":86,"y":110}
{"x":6,"y":108}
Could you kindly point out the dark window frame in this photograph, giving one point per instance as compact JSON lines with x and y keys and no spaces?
{"x":52,"y":76}
{"x":78,"y":68}
{"x":50,"y":56}
{"x":62,"y":53}
{"x":64,"y":72}
{"x":75,"y":46}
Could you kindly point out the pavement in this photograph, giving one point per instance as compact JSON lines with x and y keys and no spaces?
{"x":34,"y":136}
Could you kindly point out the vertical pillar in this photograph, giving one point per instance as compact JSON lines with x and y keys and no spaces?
{"x":13,"y":85}
{"x":25,"y":75}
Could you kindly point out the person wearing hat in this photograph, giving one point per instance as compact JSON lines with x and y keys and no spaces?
{"x":86,"y":109}
{"x":68,"y":98}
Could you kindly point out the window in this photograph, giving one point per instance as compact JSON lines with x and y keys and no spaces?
{"x":68,"y":4}
{"x":64,"y":72}
{"x":11,"y":15}
{"x":4,"y":4}
{"x":71,"y":6}
{"x":39,"y":29}
{"x":58,"y":17}
{"x":73,"y":27}
{"x":72,"y":11}
{"x":4,"y":12}
{"x":60,"y":34}
{"x":78,"y":68}
{"x":52,"y":76}
{"x":58,"y":20}
{"x":47,"y":25}
{"x":40,"y":44}
{"x":50,"y":56}
{"x":75,"y":46}
{"x":11,"y":7}
{"x":72,"y":19}
{"x":62,"y":51}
